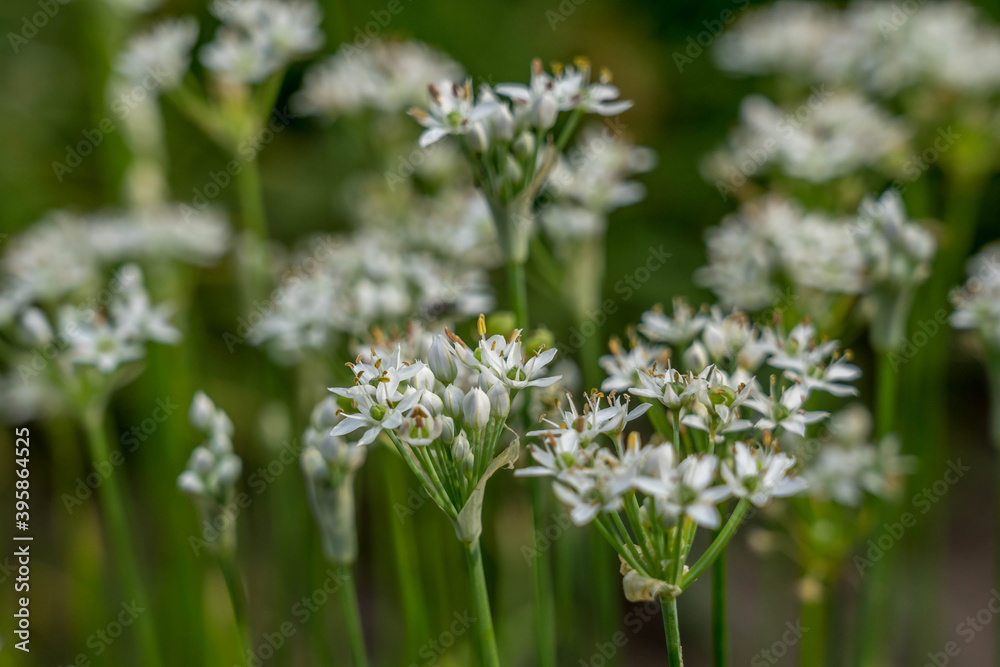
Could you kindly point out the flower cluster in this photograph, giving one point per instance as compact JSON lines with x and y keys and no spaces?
{"x":590,"y":182}
{"x":977,"y":302}
{"x":346,"y":287}
{"x":508,"y":136}
{"x":160,"y":57}
{"x":755,"y":253}
{"x":446,"y":415}
{"x":212,"y":472}
{"x":64,"y":254}
{"x":831,"y":136}
{"x":259,"y":38}
{"x":874,"y":45}
{"x":385,"y":76}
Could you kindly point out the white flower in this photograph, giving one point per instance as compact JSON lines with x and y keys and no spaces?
{"x":159,"y":58}
{"x":897,"y":252}
{"x":625,"y":369}
{"x":588,"y":494}
{"x":452,"y":110}
{"x":692,"y":493}
{"x":500,"y":360}
{"x":785,"y":412}
{"x":761,"y":475}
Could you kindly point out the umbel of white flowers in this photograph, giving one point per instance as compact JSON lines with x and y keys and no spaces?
{"x":445,"y":418}
{"x":329,"y":464}
{"x":511,"y":145}
{"x":211,"y":475}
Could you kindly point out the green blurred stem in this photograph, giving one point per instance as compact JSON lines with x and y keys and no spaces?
{"x":672,"y":629}
{"x":238,"y":598}
{"x":484,"y":618}
{"x":121,"y":541}
{"x":719,"y":639}
{"x":874,"y":637}
{"x":405,"y":551}
{"x":568,"y":129}
{"x":544,"y":599}
{"x":518,"y":286}
{"x":545,"y":626}
{"x":815,"y":619}
{"x":352,"y":614}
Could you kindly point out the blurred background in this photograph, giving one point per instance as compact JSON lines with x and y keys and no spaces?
{"x":53,"y":93}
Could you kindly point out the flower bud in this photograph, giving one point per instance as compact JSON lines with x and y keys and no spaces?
{"x":447,"y":430}
{"x":695,"y":357}
{"x":512,"y":170}
{"x":433,"y":403}
{"x":453,"y":398}
{"x":202,"y":412}
{"x":715,"y":341}
{"x":424,"y":379}
{"x":524,"y":145}
{"x":499,"y":401}
{"x":460,"y":448}
{"x":478,"y":138}
{"x":324,"y":415}
{"x":442,"y":361}
{"x":36,"y":326}
{"x":229,"y":470}
{"x":201,"y":461}
{"x":476,"y":409}
{"x":190,"y":483}
{"x":503,"y":123}
{"x":543,"y":116}
{"x":313,"y":464}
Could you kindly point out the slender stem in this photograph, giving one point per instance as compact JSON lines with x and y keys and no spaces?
{"x":545,"y":623}
{"x":238,"y":598}
{"x":877,"y":598}
{"x":518,"y":286}
{"x":719,"y":638}
{"x":672,"y":629}
{"x":481,"y":599}
{"x":121,"y":541}
{"x":568,"y":129}
{"x":352,"y":614}
{"x":251,"y":199}
{"x":406,"y":555}
{"x":718,"y":545}
{"x":814,"y":617}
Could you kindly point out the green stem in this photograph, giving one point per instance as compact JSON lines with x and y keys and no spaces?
{"x":481,"y":599}
{"x":518,"y":286}
{"x":672,"y":629}
{"x":352,"y":614}
{"x":110,"y":497}
{"x":877,"y":597}
{"x":719,"y":638}
{"x":718,"y":544}
{"x":251,"y":199}
{"x":545,"y":625}
{"x":238,"y":598}
{"x":568,"y":128}
{"x":814,"y":617}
